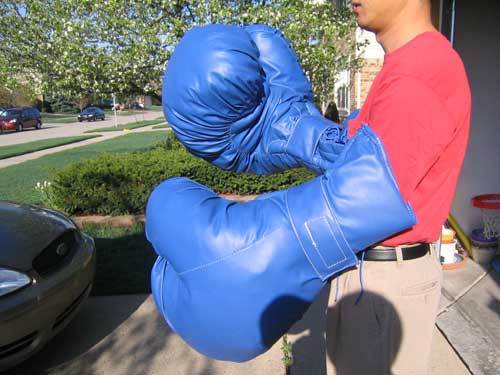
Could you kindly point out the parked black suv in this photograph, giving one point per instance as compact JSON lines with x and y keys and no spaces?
{"x":19,"y":119}
{"x":91,"y":114}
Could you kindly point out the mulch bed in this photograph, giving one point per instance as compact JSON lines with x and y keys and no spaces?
{"x":129,"y":220}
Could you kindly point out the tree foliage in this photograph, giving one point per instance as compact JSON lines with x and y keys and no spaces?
{"x":77,"y":48}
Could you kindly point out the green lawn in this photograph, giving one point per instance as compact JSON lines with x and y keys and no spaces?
{"x":128,"y":112}
{"x":25,"y":148}
{"x":124,"y":259}
{"x":18,"y":181}
{"x":58,"y":118}
{"x":130,"y":125}
{"x":161,"y":126}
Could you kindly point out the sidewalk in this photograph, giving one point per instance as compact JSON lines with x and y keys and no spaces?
{"x":470,"y":316}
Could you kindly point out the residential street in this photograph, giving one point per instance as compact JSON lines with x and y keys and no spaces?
{"x":71,"y":129}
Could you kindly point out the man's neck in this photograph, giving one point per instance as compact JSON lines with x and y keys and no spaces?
{"x":402,"y":32}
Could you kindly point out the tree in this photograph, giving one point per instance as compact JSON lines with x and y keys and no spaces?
{"x":77,"y":48}
{"x":323,"y":36}
{"x":83,"y":47}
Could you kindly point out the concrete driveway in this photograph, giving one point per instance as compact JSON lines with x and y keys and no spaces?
{"x":124,"y":335}
{"x":49,"y":130}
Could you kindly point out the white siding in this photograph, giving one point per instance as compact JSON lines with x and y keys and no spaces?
{"x":373,"y":50}
{"x":477,"y":39}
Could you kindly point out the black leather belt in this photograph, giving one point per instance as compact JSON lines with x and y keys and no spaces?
{"x":389,"y":253}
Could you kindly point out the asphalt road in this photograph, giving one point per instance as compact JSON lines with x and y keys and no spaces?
{"x":49,"y":130}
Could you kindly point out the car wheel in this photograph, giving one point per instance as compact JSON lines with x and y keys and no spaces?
{"x":19,"y":128}
{"x":80,"y":120}
{"x":103,"y":118}
{"x":38,"y":124}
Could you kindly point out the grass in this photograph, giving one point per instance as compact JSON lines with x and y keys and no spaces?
{"x":129,"y":126}
{"x":161,"y":126}
{"x":56,"y":118}
{"x":17,"y":182}
{"x":124,"y":259}
{"x":110,"y":113}
{"x":26,"y":148}
{"x":59,"y":118}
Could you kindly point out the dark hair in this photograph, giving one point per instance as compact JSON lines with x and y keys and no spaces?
{"x":332,"y":113}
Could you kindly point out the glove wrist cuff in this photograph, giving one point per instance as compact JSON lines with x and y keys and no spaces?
{"x":312,"y":134}
{"x":318,"y":231}
{"x":305,"y":138}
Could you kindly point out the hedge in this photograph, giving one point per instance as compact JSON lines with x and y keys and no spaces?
{"x":120,"y":184}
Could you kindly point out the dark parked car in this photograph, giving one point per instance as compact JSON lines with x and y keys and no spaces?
{"x":91,"y":114}
{"x":19,"y":119}
{"x":46,"y":271}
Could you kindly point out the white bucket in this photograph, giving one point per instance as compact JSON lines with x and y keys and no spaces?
{"x":448,"y":251}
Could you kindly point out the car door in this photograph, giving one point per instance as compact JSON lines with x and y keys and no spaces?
{"x":32,"y":117}
{"x":25,"y":118}
{"x":37,"y":117}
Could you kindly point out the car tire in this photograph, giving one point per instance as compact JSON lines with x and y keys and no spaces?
{"x":38,"y":125}
{"x":103,"y":118}
{"x":80,"y":120}
{"x":19,"y":127}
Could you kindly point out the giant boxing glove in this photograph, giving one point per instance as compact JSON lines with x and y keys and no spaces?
{"x":238,"y":98}
{"x":231,"y":278}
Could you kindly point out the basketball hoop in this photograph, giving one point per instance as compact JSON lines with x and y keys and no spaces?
{"x":490,"y":212}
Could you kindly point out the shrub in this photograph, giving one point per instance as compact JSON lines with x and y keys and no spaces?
{"x":118,"y":184}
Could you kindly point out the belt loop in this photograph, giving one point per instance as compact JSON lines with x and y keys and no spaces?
{"x":399,"y":256}
{"x":432,"y":250}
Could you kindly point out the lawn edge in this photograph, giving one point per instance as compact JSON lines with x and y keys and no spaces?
{"x":36,"y":149}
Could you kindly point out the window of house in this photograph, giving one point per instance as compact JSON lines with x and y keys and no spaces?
{"x":343,"y":98}
{"x":342,"y":3}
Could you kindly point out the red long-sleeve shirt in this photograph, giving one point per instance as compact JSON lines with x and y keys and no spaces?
{"x":419,"y":105}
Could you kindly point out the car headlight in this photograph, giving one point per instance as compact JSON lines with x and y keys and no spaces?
{"x":11,"y":280}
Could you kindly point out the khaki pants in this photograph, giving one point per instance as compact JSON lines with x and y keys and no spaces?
{"x":389,"y":329}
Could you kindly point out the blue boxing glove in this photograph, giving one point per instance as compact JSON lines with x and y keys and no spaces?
{"x":231,"y":278}
{"x":238,"y":98}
